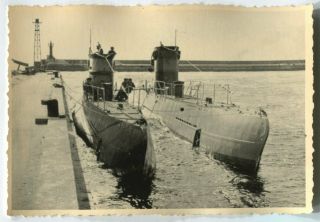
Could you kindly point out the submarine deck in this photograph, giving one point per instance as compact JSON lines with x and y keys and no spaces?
{"x":222,"y":106}
{"x":119,"y":110}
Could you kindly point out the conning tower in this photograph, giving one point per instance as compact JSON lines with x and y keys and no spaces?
{"x":167,"y":68}
{"x":101,"y":70}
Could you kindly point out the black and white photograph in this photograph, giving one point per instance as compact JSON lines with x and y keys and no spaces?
{"x":185,"y":109}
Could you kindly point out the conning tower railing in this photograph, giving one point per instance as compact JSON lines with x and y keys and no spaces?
{"x":99,"y":95}
{"x":95,"y":94}
{"x":200,"y":91}
{"x":175,"y":89}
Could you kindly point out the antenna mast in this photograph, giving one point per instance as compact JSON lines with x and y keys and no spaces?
{"x":90,"y":50}
{"x":175,"y":37}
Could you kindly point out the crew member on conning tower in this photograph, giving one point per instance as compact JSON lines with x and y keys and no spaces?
{"x":99,"y":49}
{"x":111,"y":54}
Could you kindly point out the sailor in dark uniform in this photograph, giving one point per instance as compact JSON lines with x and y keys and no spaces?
{"x":153,"y":58}
{"x":111,"y":54}
{"x":126,"y":88}
{"x":130,"y":85}
{"x":122,"y":94}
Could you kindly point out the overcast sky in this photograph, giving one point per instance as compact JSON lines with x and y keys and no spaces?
{"x":204,"y":33}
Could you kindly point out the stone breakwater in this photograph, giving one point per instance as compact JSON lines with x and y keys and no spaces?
{"x":215,"y":66}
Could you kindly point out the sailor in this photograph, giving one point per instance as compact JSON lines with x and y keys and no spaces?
{"x":153,"y":58}
{"x":122,"y":94}
{"x":125,"y":85}
{"x":111,"y":54}
{"x":99,"y":49}
{"x":130,"y":85}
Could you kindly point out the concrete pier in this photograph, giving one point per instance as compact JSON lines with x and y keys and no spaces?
{"x":45,"y":169}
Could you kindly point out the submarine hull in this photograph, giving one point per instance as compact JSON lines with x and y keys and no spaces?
{"x":118,"y":144}
{"x":226,"y":134}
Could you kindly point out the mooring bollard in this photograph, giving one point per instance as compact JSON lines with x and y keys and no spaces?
{"x":44,"y":102}
{"x":56,"y":74}
{"x":53,"y":108}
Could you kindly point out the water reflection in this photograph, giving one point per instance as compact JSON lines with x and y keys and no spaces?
{"x":135,"y":188}
{"x":249,"y":184}
{"x":251,"y":188}
{"x":252,"y":184}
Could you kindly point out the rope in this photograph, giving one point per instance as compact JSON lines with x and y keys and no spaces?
{"x":110,"y":66}
{"x":64,"y":84}
{"x":96,"y":132}
{"x":105,"y":128}
{"x":77,"y":101}
{"x":197,"y":68}
{"x":78,"y":109}
{"x":81,"y":106}
{"x":72,"y":98}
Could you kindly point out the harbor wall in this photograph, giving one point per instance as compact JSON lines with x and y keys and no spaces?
{"x":215,"y":66}
{"x":184,"y":65}
{"x":65,"y":64}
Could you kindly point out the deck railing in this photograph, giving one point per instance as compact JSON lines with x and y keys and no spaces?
{"x":202,"y":92}
{"x":95,"y":94}
{"x":98,"y":94}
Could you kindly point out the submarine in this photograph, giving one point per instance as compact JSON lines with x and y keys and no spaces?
{"x":227,"y":132}
{"x":121,"y":135}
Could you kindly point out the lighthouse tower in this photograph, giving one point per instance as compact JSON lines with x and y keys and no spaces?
{"x":50,"y":56}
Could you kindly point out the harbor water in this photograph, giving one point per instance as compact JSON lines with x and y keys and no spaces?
{"x":187,"y":178}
